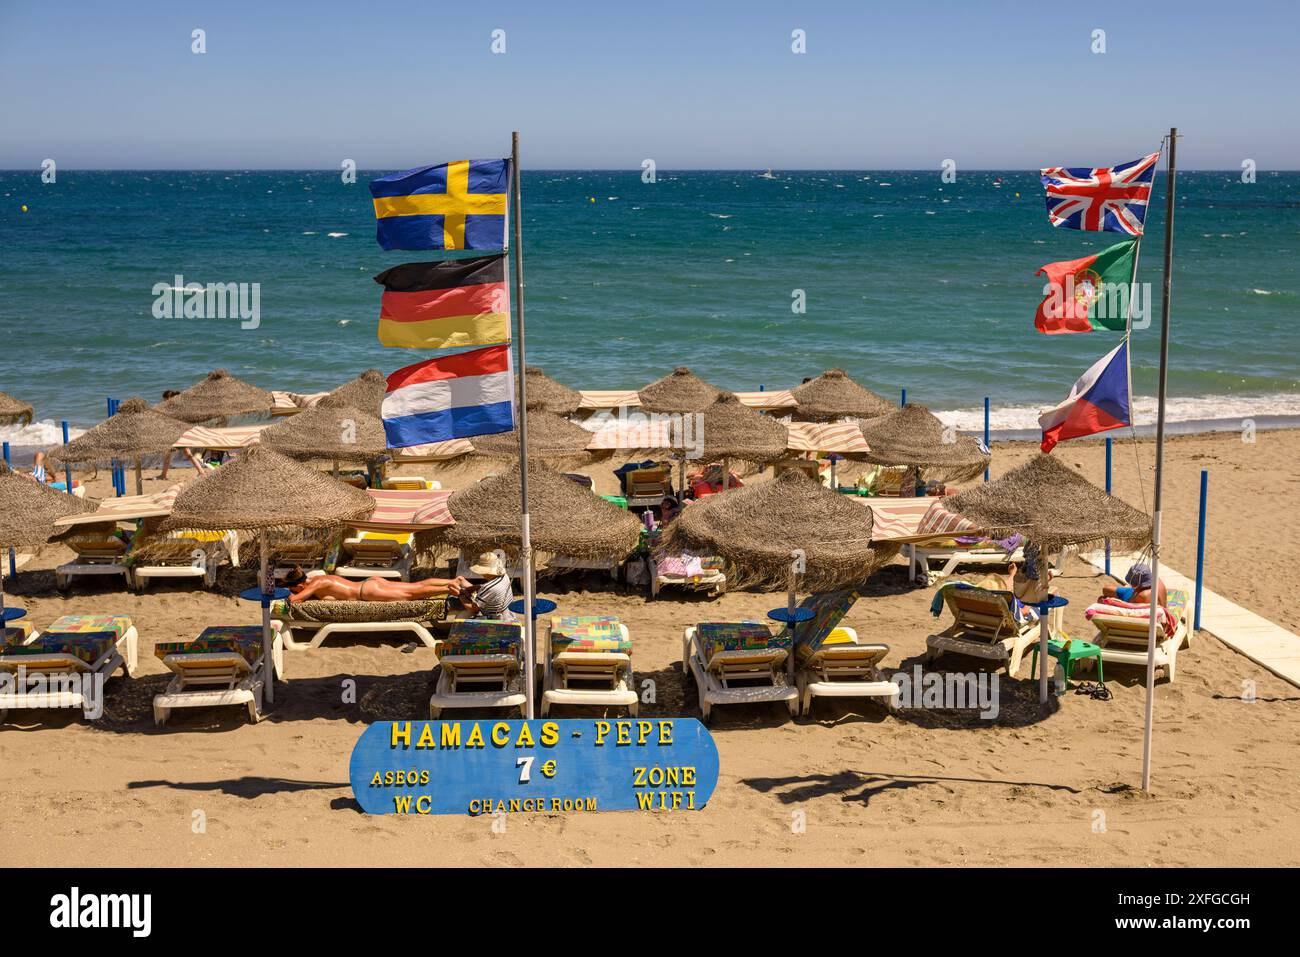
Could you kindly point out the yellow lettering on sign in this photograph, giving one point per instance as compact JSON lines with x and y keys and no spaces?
{"x":451,"y":735}
{"x":401,"y":731}
{"x":475,"y":739}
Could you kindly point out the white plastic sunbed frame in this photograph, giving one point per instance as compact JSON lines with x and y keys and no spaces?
{"x":986,"y":630}
{"x":919,"y":557}
{"x":480,"y":681}
{"x":714,"y":582}
{"x":321,"y":630}
{"x":605,"y":677}
{"x":122,"y":655}
{"x":397,"y":565}
{"x":1124,"y":640}
{"x":89,"y":563}
{"x":844,"y":671}
{"x":216,"y":679}
{"x":762,"y":670}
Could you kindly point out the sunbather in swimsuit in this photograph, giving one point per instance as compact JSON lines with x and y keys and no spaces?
{"x":337,"y":588}
{"x":1138,"y":589}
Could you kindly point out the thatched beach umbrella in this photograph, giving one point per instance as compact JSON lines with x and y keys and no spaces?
{"x":14,"y":411}
{"x":727,"y":430}
{"x":365,"y":392}
{"x":130,"y":433}
{"x":546,"y":393}
{"x":755,"y":529}
{"x":28,"y":509}
{"x":913,"y":436}
{"x":261,"y":490}
{"x":551,"y":438}
{"x":338,"y":432}
{"x":219,"y":396}
{"x":1054,"y":507}
{"x":682,"y":391}
{"x":565,"y":517}
{"x":833,"y":395}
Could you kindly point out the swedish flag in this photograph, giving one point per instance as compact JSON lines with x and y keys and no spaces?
{"x":457,"y":205}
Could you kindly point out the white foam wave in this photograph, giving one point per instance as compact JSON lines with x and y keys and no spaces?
{"x":42,"y":432}
{"x":1209,"y":408}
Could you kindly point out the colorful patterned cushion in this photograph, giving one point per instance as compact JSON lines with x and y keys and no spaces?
{"x":482,"y":637}
{"x":588,"y":633}
{"x":83,"y":624}
{"x":243,"y":640}
{"x":88,"y":646}
{"x":715,"y":636}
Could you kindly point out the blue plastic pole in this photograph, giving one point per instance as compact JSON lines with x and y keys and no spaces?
{"x":113,"y":465}
{"x":1109,"y":446}
{"x":1200,"y":548}
{"x":67,"y":469}
{"x":903,"y":400}
{"x":13,"y":562}
{"x":986,"y":433}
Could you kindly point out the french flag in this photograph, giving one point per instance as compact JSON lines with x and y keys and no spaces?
{"x":1099,"y":401}
{"x":454,"y":397}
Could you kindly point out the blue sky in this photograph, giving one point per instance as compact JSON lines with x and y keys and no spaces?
{"x":606,"y":85}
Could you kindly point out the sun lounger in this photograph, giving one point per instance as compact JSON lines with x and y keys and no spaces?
{"x":188,"y":554}
{"x":808,"y":467}
{"x":1123,"y":632}
{"x":650,"y":486}
{"x":377,"y":554}
{"x":308,"y":553}
{"x":69,"y":659}
{"x":953,"y":554}
{"x":984,"y":626}
{"x":481,"y":666}
{"x":680,"y":571}
{"x":591,"y":664}
{"x":324,"y":618}
{"x":409,"y":483}
{"x":886,"y":480}
{"x":222,"y":666}
{"x":99,"y":552}
{"x":830,"y":660}
{"x":737,"y":662}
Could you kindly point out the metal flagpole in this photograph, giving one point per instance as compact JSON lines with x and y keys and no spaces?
{"x":525,"y":539}
{"x":1160,"y":458}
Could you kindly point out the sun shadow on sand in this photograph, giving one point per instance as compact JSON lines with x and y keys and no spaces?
{"x":245,"y":787}
{"x":867,"y":784}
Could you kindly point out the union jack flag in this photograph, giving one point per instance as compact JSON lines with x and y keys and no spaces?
{"x":1111,"y":199}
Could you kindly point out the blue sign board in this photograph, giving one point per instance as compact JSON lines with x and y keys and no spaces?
{"x":534,"y":767}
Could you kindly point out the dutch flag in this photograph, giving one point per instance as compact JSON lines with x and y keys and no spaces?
{"x":453,"y":397}
{"x":1099,"y":401}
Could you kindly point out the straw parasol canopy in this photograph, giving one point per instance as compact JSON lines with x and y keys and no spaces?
{"x":682,"y":391}
{"x":264,"y":489}
{"x":755,"y":528}
{"x":732,"y":430}
{"x":14,"y":411}
{"x":219,"y":396}
{"x":365,"y":392}
{"x":545,"y":392}
{"x":28,"y":509}
{"x":833,"y":395}
{"x":551,"y":438}
{"x":338,"y":432}
{"x":1053,"y":506}
{"x":133,"y":431}
{"x":913,"y":436}
{"x":565,"y":517}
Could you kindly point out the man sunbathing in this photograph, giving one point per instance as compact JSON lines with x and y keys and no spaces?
{"x":337,"y":588}
{"x":1137,"y":591}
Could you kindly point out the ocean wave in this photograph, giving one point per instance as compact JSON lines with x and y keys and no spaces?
{"x":42,"y":432}
{"x":1208,"y":408}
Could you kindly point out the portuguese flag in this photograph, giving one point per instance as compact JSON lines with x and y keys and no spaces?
{"x":441,"y":305}
{"x":1088,"y":293}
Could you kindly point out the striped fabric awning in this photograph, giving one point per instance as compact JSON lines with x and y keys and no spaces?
{"x":289,"y":403}
{"x":844,"y":438}
{"x":646,"y":435}
{"x":407,"y":510}
{"x":914,"y":520}
{"x":236,"y":437}
{"x":776,"y":399}
{"x":433,"y":451}
{"x":609,"y":399}
{"x":126,"y":508}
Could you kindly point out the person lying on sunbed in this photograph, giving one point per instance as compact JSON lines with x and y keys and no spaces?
{"x":337,"y":588}
{"x":1138,"y":588}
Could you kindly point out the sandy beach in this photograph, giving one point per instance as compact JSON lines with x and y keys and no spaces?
{"x":850,"y":786}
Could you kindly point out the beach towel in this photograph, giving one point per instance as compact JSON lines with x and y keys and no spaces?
{"x":89,"y":624}
{"x":828,"y":609}
{"x":715,"y":636}
{"x":480,"y":637}
{"x":87,"y":646}
{"x":242,"y":640}
{"x":1128,"y":609}
{"x":356,"y":612}
{"x":588,"y":633}
{"x":684,"y":565}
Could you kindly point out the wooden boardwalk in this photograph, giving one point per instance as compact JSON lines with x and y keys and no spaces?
{"x":1268,"y":645}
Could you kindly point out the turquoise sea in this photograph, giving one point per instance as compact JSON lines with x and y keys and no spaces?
{"x":909,"y":283}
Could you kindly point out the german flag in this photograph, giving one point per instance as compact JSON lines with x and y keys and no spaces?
{"x":442,"y":305}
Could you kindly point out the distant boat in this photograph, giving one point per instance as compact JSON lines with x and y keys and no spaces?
{"x":767,"y":174}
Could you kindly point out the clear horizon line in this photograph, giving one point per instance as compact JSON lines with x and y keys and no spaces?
{"x":601,"y":169}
